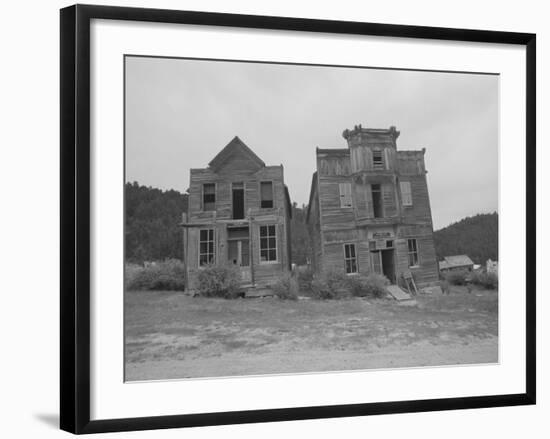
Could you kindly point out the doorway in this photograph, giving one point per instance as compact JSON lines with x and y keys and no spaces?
{"x":238,"y":200}
{"x":238,"y":250}
{"x":383,"y":262}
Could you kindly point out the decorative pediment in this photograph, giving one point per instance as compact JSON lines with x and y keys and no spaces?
{"x":236,"y":153}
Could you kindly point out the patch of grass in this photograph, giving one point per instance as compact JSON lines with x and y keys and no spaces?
{"x":213,"y":327}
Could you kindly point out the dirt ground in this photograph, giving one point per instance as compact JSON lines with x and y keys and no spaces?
{"x":170,"y":335}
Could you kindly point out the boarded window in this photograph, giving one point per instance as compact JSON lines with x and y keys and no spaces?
{"x":406,"y":193}
{"x":266,"y":194}
{"x":413,"y":252}
{"x":350,"y":258}
{"x":377,"y":207}
{"x":208,"y":196}
{"x":268,"y":243}
{"x":345,"y":195}
{"x":206,"y":247}
{"x":377,"y":159}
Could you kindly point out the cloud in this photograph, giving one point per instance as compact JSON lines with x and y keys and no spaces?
{"x":180,"y":113}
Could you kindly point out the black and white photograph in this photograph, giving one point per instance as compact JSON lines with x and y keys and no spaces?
{"x":293,"y":218}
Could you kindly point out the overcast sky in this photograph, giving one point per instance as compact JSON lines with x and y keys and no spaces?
{"x":181,"y":113}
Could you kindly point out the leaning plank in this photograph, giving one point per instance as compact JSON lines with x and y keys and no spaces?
{"x":397,"y":293}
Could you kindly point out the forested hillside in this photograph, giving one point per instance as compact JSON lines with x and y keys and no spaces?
{"x":152,"y":218}
{"x":299,"y":235}
{"x":153,"y":215}
{"x":475,"y":236}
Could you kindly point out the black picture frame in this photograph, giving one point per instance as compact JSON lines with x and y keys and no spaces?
{"x":75,"y":217}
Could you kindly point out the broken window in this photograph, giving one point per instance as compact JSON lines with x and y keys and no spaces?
{"x":266,"y":194}
{"x":208,"y":196}
{"x":206,"y":247}
{"x":413,"y":252}
{"x":377,"y":208}
{"x":268,"y":244}
{"x":350,"y":258}
{"x":406,"y":194}
{"x":345,"y":195}
{"x":238,"y":200}
{"x":377,"y":159}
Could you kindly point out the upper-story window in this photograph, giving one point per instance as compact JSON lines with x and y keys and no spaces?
{"x":377,"y":159}
{"x":266,"y":194}
{"x":208,"y":196}
{"x":406,"y":193}
{"x":345,"y":195}
{"x":377,"y":206}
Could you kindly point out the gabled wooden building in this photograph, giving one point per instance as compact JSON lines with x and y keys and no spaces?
{"x":369,"y":209}
{"x":238,"y":213}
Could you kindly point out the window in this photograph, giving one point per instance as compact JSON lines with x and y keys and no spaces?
{"x":345,"y":195}
{"x":376,"y":190}
{"x":238,"y":199}
{"x":266,"y":194}
{"x":208,"y":196}
{"x":413,"y":252}
{"x":206,"y":247}
{"x":377,"y":159}
{"x":268,"y":244}
{"x":406,"y":194}
{"x":350,"y":259}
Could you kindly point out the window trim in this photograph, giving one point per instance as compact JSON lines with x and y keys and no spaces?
{"x":355,"y":258}
{"x":276,"y":260}
{"x":215,"y":197}
{"x":213,"y":261}
{"x":415,"y":252}
{"x":272,"y":193}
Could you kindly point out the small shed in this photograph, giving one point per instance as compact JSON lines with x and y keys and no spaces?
{"x":455,"y":263}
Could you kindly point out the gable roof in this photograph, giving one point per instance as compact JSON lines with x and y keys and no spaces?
{"x":235,"y":146}
{"x":458,"y":260}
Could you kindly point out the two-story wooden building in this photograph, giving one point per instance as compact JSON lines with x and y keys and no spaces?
{"x":238,"y":213}
{"x":369,"y":209}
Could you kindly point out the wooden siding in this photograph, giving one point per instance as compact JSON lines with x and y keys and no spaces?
{"x":238,"y":167}
{"x":331,"y":225}
{"x":314,"y":225}
{"x":223,"y":182}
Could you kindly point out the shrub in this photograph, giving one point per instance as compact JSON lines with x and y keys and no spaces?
{"x":485,"y":279}
{"x":330,"y":285}
{"x":286,"y":287}
{"x":305,"y":278}
{"x":218,"y":281}
{"x":372,"y":285}
{"x":164,"y":275}
{"x":457,"y":277}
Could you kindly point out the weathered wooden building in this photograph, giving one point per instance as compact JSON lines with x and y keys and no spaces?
{"x":369,"y":209}
{"x":456,"y":263}
{"x":238,"y":213}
